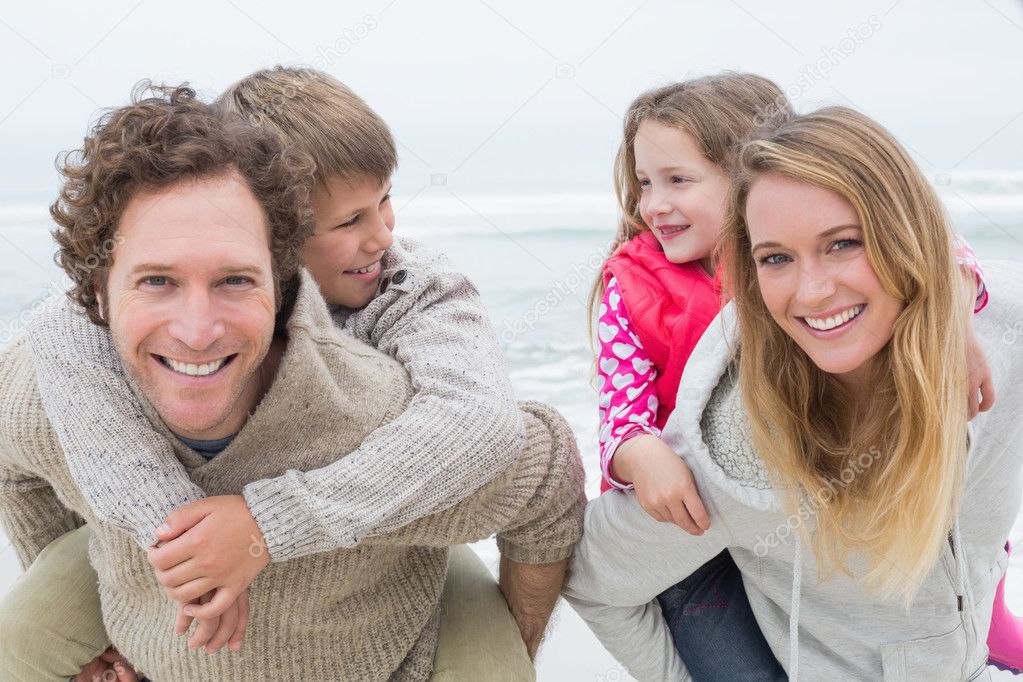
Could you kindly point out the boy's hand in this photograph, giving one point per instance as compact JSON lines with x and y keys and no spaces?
{"x":212,"y":545}
{"x":214,"y":633}
{"x":664,"y":485}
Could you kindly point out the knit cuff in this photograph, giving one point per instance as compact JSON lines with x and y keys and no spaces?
{"x":289,"y":525}
{"x":534,"y":554}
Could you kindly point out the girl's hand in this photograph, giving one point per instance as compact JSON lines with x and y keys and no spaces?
{"x":981,"y":385}
{"x":664,"y":485}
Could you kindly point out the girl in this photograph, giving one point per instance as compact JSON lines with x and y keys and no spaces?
{"x":821,"y":408}
{"x":659,"y":292}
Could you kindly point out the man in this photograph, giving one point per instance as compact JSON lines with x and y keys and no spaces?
{"x":204,"y":271}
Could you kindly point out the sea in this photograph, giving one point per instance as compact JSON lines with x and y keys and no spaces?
{"x":534,"y":257}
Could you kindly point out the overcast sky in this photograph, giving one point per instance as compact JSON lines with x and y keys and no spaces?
{"x":525,"y":96}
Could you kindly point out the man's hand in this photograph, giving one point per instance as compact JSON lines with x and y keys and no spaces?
{"x":664,"y":485}
{"x":213,"y":634}
{"x":212,"y":545}
{"x":109,"y":666}
{"x":531,"y":591}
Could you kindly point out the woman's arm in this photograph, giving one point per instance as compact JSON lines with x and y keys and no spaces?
{"x":127,"y":472}
{"x":623,"y":561}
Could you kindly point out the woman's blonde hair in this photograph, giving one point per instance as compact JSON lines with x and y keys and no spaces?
{"x":718,"y":111}
{"x":887,"y":480}
{"x":320,"y":115}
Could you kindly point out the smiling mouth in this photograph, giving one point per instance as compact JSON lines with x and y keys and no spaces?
{"x":669,"y":230}
{"x":364,"y":271}
{"x":195,"y":370}
{"x":835,"y":321}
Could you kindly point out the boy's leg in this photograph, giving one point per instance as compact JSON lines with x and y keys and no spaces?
{"x":479,"y":639}
{"x":51,"y":624}
{"x":715,"y":631}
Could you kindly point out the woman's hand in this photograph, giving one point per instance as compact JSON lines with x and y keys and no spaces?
{"x":664,"y":485}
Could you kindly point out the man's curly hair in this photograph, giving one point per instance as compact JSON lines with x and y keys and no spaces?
{"x":166,"y":136}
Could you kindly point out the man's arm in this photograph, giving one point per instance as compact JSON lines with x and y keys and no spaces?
{"x":30,"y":514}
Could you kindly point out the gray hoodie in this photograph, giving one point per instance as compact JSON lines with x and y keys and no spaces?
{"x":835,"y":629}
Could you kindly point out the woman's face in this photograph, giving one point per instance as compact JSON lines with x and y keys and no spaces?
{"x":815,"y":277}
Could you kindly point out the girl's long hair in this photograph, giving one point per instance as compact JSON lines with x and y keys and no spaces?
{"x":887,"y":481}
{"x":718,"y":111}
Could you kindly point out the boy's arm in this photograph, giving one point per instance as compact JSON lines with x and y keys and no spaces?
{"x":126,"y":471}
{"x":461,"y":428}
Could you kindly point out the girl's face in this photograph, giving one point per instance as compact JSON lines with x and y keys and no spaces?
{"x":683,"y":193}
{"x":816,"y":279}
{"x":353,"y":230}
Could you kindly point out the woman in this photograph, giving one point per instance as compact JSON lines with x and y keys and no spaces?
{"x":827,"y":428}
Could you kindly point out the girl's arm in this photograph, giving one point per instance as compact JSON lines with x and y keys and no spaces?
{"x":460,"y":430}
{"x":127,"y":472}
{"x":626,"y":385}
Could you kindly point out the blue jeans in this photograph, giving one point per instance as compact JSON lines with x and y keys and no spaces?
{"x":714,"y":629}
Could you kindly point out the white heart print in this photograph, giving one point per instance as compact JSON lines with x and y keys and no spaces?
{"x":619,"y":381}
{"x":606,"y":332}
{"x":631,"y":393}
{"x":623,"y":350}
{"x":604,"y":400}
{"x":640,"y":365}
{"x":613,"y":298}
{"x":608,"y":365}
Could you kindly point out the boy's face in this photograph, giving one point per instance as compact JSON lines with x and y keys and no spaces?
{"x":353,"y":230}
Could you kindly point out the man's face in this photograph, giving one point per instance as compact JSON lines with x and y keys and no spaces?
{"x":190,"y":302}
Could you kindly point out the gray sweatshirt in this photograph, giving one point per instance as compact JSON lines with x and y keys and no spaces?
{"x":830,"y":630}
{"x":460,"y":430}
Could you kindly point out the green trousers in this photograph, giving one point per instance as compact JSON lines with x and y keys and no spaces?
{"x":51,"y":624}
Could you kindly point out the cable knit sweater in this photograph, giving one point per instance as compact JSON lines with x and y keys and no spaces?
{"x":427,"y":315}
{"x":369,"y":613}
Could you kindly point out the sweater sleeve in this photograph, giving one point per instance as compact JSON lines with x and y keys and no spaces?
{"x":31,"y":514}
{"x":460,"y":430}
{"x":535,"y":506}
{"x":628,"y":389}
{"x":624,"y":560}
{"x":126,"y":471}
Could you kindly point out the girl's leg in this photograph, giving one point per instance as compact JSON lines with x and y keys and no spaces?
{"x":51,"y":624}
{"x":714,"y":629}
{"x":479,"y":639}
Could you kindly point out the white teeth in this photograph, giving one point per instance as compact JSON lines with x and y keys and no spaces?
{"x":365,"y":271}
{"x":195,"y":370}
{"x":832,"y":322}
{"x":673,"y":230}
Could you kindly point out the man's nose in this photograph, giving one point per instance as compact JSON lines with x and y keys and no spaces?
{"x":197,"y":322}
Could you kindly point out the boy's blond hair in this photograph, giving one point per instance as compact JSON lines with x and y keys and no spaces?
{"x":320,"y":115}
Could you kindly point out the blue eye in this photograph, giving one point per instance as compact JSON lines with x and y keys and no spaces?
{"x":236,"y":280}
{"x":775,"y":259}
{"x":155,"y":280}
{"x":853,"y":242}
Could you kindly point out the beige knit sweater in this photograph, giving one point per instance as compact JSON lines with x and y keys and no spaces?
{"x":368,"y":613}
